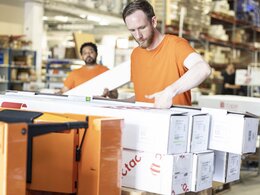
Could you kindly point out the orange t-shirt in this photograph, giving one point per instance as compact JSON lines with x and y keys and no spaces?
{"x":152,"y":71}
{"x":83,"y":74}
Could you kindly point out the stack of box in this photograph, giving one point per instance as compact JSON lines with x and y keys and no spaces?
{"x":226,"y":166}
{"x":223,"y":7}
{"x":179,"y":161}
{"x":148,"y":134}
{"x":217,"y":31}
{"x":165,"y":151}
{"x":219,"y":55}
{"x":231,"y":135}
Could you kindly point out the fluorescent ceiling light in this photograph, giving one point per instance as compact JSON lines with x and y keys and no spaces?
{"x":61,"y":18}
{"x":83,"y":16}
{"x":94,"y":18}
{"x":75,"y":27}
{"x":104,"y":22}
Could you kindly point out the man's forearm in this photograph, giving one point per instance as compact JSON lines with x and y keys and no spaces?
{"x":192,"y":78}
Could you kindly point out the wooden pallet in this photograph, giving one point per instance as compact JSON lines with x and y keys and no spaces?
{"x":203,"y":192}
{"x":220,"y":188}
{"x":130,"y":191}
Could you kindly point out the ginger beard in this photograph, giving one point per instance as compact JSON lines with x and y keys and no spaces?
{"x":145,"y":43}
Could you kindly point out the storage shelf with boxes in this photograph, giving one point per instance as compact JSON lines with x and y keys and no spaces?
{"x":229,"y":34}
{"x":17,"y":67}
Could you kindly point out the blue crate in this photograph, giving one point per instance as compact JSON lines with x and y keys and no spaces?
{"x":1,"y":57}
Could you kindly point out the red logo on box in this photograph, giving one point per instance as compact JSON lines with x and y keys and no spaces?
{"x":130,"y":165}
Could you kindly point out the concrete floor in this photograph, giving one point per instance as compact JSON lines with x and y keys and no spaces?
{"x":249,"y":184}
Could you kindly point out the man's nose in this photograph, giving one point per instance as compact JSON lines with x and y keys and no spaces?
{"x":138,"y":34}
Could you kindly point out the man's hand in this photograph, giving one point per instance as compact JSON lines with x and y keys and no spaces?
{"x":113,"y":94}
{"x":162,"y":99}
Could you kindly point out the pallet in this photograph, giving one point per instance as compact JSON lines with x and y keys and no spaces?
{"x":220,"y":188}
{"x":130,"y":191}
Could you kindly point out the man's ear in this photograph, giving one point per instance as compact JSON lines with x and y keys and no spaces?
{"x":154,"y":21}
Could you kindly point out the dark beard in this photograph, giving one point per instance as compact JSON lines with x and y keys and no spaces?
{"x":90,"y":61}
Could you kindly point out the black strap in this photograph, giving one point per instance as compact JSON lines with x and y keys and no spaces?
{"x":14,"y":116}
{"x":79,"y":148}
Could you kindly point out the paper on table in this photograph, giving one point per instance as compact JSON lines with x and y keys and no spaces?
{"x":110,"y":79}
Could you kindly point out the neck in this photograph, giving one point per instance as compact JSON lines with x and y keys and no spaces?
{"x":157,"y":39}
{"x":90,"y":66}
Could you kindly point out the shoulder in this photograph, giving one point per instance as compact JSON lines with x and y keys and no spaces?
{"x":102,"y":67}
{"x":223,"y":73}
{"x":174,"y":39}
{"x":136,"y":49}
{"x":75,"y":71}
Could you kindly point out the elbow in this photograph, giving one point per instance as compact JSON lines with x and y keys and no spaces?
{"x":207,"y":70}
{"x":208,"y":73}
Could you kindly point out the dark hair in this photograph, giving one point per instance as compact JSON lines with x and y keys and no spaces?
{"x":88,"y":44}
{"x":135,"y":5}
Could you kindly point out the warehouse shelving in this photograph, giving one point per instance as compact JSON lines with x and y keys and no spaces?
{"x":17,"y":67}
{"x":204,"y":41}
{"x":57,"y":70}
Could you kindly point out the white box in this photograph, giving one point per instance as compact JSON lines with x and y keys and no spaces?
{"x":157,"y":173}
{"x":231,"y":103}
{"x":202,"y":171}
{"x":248,"y":77}
{"x":199,"y":125}
{"x":232,"y":132}
{"x":145,"y":128}
{"x":226,"y":167}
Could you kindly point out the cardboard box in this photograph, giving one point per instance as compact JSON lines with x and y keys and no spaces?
{"x":199,"y":125}
{"x":202,"y":171}
{"x":145,"y":129}
{"x":232,"y":132}
{"x":226,"y":167}
{"x":231,"y":103}
{"x":157,"y":173}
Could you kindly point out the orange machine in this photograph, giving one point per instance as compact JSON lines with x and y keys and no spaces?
{"x":13,"y":150}
{"x":54,"y":163}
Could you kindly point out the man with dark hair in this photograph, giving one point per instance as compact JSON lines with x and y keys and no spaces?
{"x":91,"y":69}
{"x":88,"y":44}
{"x":229,"y":87}
{"x":164,"y":67}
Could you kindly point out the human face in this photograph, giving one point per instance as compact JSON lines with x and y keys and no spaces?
{"x":89,"y":55}
{"x":230,"y":69}
{"x":141,"y":28}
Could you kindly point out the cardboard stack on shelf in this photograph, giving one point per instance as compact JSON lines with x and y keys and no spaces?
{"x":218,"y":32}
{"x":195,"y":20}
{"x":219,"y":55}
{"x":223,"y":7}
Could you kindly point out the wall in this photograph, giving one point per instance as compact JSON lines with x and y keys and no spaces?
{"x":11,"y":20}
